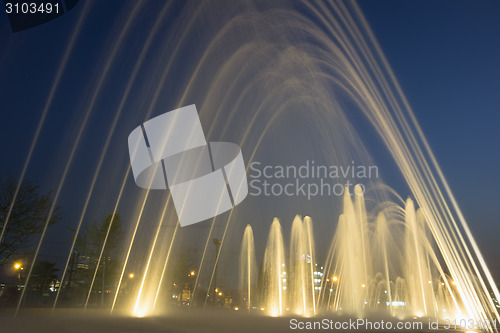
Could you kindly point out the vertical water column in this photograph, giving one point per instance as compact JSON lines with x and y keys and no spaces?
{"x":302,"y":258}
{"x":417,"y":272}
{"x":352,"y":247}
{"x":382,"y":239}
{"x":248,"y":268}
{"x":274,"y":267}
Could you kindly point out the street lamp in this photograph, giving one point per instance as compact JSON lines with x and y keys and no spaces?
{"x":217,"y":243}
{"x":18,"y":267}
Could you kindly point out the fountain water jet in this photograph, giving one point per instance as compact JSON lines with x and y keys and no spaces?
{"x":274,"y":266}
{"x":421,"y":294}
{"x":352,"y":256}
{"x":301,"y":298}
{"x":248,"y":268}
{"x":380,"y":260}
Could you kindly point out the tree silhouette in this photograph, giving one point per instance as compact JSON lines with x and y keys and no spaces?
{"x":43,"y":275}
{"x":28,"y":216}
{"x":89,"y":245}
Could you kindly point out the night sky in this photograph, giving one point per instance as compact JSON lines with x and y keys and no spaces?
{"x":444,"y":54}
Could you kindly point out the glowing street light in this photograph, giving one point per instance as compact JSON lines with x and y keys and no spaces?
{"x":335,"y":279}
{"x":18,"y":267}
{"x":192,"y":273}
{"x":131,"y":276}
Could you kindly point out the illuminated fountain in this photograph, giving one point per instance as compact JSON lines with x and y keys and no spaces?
{"x":350,"y":249}
{"x":301,"y":293}
{"x":273,"y":272}
{"x":315,"y":64}
{"x":417,"y":268}
{"x":383,"y":261}
{"x":248,"y":269}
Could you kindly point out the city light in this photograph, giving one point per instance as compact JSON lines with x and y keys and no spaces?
{"x":131,"y":276}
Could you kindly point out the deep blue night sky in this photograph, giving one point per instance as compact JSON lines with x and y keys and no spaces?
{"x":444,"y":54}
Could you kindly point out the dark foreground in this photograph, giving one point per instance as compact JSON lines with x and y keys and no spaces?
{"x":95,"y":321}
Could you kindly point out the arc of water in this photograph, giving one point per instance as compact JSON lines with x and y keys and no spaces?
{"x":154,"y":100}
{"x":131,"y":80}
{"x":73,"y":151}
{"x":165,"y":267}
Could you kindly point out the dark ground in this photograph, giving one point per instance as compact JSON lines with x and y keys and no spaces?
{"x":95,"y":321}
